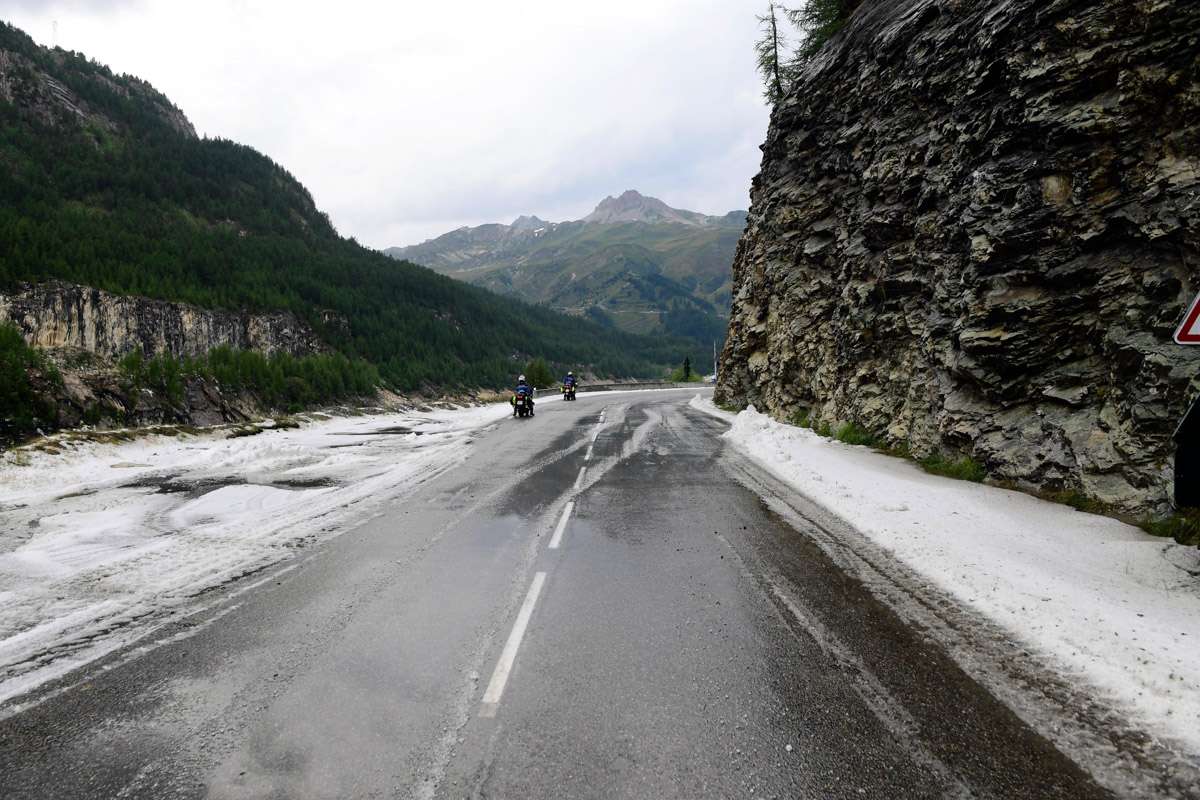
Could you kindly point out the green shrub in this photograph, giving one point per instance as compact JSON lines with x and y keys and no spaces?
{"x":162,"y":374}
{"x":132,"y":364}
{"x":538,"y":374}
{"x":801,"y":419}
{"x":685,"y":374}
{"x":23,"y":409}
{"x":92,"y":414}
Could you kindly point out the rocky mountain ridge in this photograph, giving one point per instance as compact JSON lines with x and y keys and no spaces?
{"x":529,"y":223}
{"x":632,"y":206}
{"x":975,"y":230}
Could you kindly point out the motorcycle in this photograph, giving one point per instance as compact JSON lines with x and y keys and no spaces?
{"x":522,"y":404}
{"x":568,"y":391}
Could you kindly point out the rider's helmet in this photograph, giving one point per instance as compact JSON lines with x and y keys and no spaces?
{"x":570,"y":374}
{"x":520,"y":377}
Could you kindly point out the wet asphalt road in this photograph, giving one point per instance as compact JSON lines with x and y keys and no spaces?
{"x":680,"y":639}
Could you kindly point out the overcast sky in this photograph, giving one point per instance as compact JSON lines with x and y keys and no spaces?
{"x":408,"y":119}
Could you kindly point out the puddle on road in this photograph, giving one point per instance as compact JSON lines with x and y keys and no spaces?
{"x":305,"y":483}
{"x":496,"y":531}
{"x":69,"y":495}
{"x":172,"y":484}
{"x":395,"y":430}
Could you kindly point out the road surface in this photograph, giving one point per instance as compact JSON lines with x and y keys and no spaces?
{"x":604,"y":602}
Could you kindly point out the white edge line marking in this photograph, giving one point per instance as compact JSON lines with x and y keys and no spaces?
{"x":509,"y":654}
{"x":562,"y":524}
{"x":579,"y":480}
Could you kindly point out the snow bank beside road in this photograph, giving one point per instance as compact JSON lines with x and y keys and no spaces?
{"x":100,"y":543}
{"x":1114,"y":607}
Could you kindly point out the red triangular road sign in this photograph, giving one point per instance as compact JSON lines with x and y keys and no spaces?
{"x":1189,"y":330}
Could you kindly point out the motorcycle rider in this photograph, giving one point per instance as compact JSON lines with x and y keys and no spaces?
{"x":569,"y":382}
{"x":522,"y":386}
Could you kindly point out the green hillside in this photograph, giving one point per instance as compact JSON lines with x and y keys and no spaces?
{"x":103,"y":182}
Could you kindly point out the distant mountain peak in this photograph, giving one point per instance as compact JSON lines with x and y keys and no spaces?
{"x":529,"y":223}
{"x":633,"y":206}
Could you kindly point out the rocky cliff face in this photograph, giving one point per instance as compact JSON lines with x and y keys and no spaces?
{"x":976,"y":229}
{"x":58,"y":314}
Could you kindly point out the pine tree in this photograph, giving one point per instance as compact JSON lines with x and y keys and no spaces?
{"x":538,"y":374}
{"x":768,"y":50}
{"x":817,"y":21}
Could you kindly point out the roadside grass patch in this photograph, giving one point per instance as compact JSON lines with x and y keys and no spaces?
{"x":966,"y":468}
{"x":856,"y":434}
{"x":1183,"y":527}
{"x":1077,"y":500}
{"x":18,"y":457}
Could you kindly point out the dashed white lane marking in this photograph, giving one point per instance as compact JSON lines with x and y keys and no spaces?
{"x":556,"y":539}
{"x":491,"y":698}
{"x":579,"y":480}
{"x":588,"y":456}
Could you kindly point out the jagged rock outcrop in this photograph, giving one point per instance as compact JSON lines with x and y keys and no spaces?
{"x":528,"y":223}
{"x":59,"y":314}
{"x":93,"y":393}
{"x":975,"y":230}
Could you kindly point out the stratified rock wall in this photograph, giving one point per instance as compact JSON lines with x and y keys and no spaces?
{"x":976,"y":229}
{"x":59,"y":314}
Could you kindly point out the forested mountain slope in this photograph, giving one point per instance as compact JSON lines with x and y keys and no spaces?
{"x":103,"y":182}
